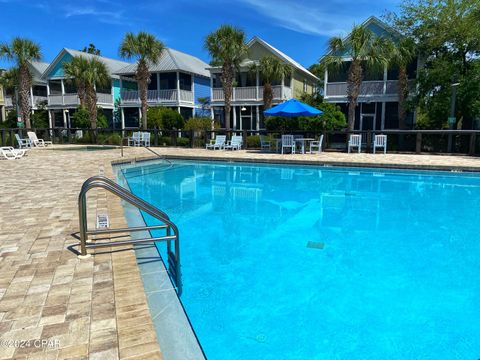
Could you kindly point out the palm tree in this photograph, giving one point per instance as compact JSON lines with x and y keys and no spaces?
{"x":364,"y":50}
{"x":9,"y":80}
{"x":22,"y":51}
{"x":272,"y":69}
{"x":146,"y":49}
{"x":96,"y":75}
{"x":401,"y":54}
{"x":226,"y":46}
{"x":75,"y":71}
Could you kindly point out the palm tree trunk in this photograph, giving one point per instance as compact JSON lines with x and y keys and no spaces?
{"x":143,"y":76}
{"x":24,"y":94}
{"x":92,"y":106}
{"x":267,"y":95}
{"x":354,"y":82}
{"x":402,"y":96}
{"x":228,"y":72}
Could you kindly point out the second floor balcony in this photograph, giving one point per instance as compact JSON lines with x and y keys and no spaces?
{"x":35,"y":101}
{"x":163,"y":96}
{"x":252,"y":93}
{"x":73,"y":99}
{"x":387,"y":89}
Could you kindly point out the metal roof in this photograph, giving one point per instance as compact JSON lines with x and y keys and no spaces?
{"x":38,"y":68}
{"x":282,"y":55}
{"x":112,"y":64}
{"x":172,"y":60}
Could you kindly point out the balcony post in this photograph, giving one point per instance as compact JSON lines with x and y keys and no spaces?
{"x":257,"y":83}
{"x":158,"y":87}
{"x":31,"y":96}
{"x":233,"y":94}
{"x":385,"y":78}
{"x":325,"y":82}
{"x":63,"y":91}
{"x":281,"y":88}
{"x":178,"y":89}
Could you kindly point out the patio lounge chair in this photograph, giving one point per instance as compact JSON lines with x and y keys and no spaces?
{"x":288,"y":142}
{"x":265,"y":144}
{"x":22,"y":143}
{"x":10,"y":153}
{"x":135,"y":139}
{"x":235,"y":143}
{"x":35,"y":141}
{"x":355,"y":141}
{"x":218,"y":143}
{"x":380,"y":141}
{"x":316,"y":145}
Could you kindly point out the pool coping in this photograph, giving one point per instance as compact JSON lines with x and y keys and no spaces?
{"x":321,"y":163}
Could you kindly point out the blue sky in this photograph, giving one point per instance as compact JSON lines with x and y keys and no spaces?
{"x":299,"y":28}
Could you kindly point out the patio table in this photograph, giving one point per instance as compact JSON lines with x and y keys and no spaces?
{"x":303,"y":141}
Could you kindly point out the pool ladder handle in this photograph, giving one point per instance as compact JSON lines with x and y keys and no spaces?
{"x":122,"y":193}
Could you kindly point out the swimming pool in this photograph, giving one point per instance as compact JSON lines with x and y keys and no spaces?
{"x":304,"y":262}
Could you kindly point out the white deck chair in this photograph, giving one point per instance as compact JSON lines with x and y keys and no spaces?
{"x":235,"y":143}
{"x":288,"y":142}
{"x":316,"y":145}
{"x":135,"y":139}
{"x":380,"y":141}
{"x":10,"y":153}
{"x":145,"y":139}
{"x":218,"y":143}
{"x":35,"y":141}
{"x":22,"y":143}
{"x":355,"y":141}
{"x":265,"y":144}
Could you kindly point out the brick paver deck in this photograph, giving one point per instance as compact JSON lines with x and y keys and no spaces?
{"x":96,"y":307}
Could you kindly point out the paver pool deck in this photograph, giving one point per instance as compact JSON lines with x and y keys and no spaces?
{"x":96,"y":308}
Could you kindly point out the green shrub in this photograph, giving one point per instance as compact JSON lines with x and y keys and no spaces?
{"x":332,"y":119}
{"x":10,"y":122}
{"x":281,"y":124}
{"x":253,"y":141}
{"x":183,"y":141}
{"x":164,"y":118}
{"x":39,"y":119}
{"x":102,"y":121}
{"x":164,"y":141}
{"x":200,"y":123}
{"x":81,"y":118}
{"x":109,"y":139}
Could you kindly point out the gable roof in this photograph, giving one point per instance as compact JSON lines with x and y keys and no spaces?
{"x":378,"y":27}
{"x":112,"y":65}
{"x":172,"y":60}
{"x":38,"y":68}
{"x":282,"y":55}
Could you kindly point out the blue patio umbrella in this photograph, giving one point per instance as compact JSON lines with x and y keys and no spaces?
{"x":292,"y":108}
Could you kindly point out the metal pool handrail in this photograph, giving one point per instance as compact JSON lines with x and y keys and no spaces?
{"x":168,"y":225}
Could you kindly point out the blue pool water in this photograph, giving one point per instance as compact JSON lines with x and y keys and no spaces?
{"x":299,"y":262}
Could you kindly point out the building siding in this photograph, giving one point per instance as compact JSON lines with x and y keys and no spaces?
{"x":57,"y":70}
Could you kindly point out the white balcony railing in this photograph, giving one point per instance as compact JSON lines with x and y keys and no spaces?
{"x":37,"y":99}
{"x":8,"y":101}
{"x":253,"y":93}
{"x":157,"y":96}
{"x":368,"y":88}
{"x":74,"y":100}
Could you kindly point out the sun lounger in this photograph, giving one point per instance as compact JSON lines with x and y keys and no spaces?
{"x":9,"y":153}
{"x":218,"y":143}
{"x":35,"y":141}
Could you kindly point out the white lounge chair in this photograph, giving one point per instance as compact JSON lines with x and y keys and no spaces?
{"x":235,"y":143}
{"x":35,"y":141}
{"x":218,"y":143}
{"x":288,"y":142}
{"x":23,"y":143}
{"x":265,"y":144}
{"x":316,"y":145}
{"x":135,"y":139}
{"x":380,"y":141}
{"x":10,"y":153}
{"x":355,"y":141}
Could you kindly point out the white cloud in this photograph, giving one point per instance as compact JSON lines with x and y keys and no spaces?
{"x":109,"y":17}
{"x":318,"y":18}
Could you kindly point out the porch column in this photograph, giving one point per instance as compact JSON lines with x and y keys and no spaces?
{"x":258,"y":117}
{"x":31,"y":98}
{"x":158,"y":87}
{"x":281,"y":89}
{"x":382,"y":127}
{"x":63,"y":91}
{"x":385,"y":78}
{"x":139,"y":117}
{"x":64,"y":118}
{"x":325,"y":81}
{"x":178,"y":89}
{"x":257,"y":82}
{"x":122,"y":118}
{"x":193,"y":95}
{"x":234,"y":118}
